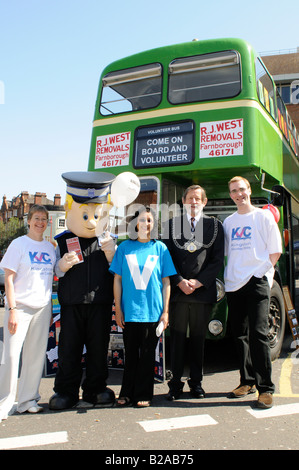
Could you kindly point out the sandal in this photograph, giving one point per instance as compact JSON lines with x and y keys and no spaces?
{"x":143,"y":404}
{"x":123,"y":401}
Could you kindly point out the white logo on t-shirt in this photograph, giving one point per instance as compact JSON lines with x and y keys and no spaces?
{"x":141,"y":280}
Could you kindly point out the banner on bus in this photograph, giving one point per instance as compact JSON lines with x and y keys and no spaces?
{"x":165,"y":145}
{"x":221,"y":138}
{"x":112,"y":150}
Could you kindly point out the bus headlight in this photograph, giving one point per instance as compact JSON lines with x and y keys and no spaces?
{"x":215,"y":327}
{"x":220,"y":290}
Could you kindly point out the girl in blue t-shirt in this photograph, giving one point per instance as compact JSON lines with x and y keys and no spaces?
{"x":142,"y":266}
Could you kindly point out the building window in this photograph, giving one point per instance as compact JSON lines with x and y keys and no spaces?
{"x":61,"y":223}
{"x":295,"y":92}
{"x":285,"y":92}
{"x":289,"y":92}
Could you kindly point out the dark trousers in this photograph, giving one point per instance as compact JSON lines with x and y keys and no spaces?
{"x":248,"y":310}
{"x":196,"y":316}
{"x":140,"y":341}
{"x":89,"y":325}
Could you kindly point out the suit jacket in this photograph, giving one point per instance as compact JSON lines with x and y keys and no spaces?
{"x":202,"y":264}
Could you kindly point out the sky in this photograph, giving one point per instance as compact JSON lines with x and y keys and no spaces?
{"x":52,"y":53}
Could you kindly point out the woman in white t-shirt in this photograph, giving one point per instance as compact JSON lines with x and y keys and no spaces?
{"x":28,"y":264}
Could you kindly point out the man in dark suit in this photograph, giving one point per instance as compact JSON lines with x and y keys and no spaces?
{"x":196,"y":244}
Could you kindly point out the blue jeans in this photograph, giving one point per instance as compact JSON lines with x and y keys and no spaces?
{"x":248,"y":310}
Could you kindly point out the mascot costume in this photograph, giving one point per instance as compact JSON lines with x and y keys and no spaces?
{"x":85,"y":288}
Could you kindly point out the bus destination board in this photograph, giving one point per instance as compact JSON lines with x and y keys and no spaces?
{"x":165,"y":145}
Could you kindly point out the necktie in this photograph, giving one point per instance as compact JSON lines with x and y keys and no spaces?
{"x":192,"y":224}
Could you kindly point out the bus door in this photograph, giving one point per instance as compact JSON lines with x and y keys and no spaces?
{"x":290,"y":239}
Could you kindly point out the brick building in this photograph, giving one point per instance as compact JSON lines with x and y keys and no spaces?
{"x":284,"y":68}
{"x":19,"y":207}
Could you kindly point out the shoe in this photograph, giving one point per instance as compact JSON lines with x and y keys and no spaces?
{"x":265,"y":401}
{"x":197,"y":392}
{"x":242,"y":391}
{"x":35,"y":409}
{"x":174,"y":394}
{"x":60,"y":401}
{"x":123,"y":401}
{"x":102,"y":399}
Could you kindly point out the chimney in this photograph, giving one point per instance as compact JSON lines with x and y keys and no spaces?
{"x":57,"y":200}
{"x":38,"y":198}
{"x":24,"y":195}
{"x":5,"y":202}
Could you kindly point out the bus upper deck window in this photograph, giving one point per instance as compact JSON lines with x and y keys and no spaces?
{"x":265,"y":88}
{"x":204,"y":77}
{"x":131,"y":89}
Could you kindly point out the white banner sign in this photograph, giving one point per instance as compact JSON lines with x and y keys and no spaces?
{"x":112,"y":150}
{"x":221,"y":138}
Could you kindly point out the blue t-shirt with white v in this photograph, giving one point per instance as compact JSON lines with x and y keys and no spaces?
{"x":142,"y":267}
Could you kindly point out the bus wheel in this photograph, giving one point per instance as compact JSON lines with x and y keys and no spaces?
{"x":276,"y":320}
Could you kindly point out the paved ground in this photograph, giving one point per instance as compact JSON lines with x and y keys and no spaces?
{"x":180,"y":428}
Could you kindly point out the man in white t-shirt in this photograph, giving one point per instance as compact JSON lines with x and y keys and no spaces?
{"x":252,"y":246}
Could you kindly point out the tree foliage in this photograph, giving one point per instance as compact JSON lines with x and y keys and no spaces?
{"x":9,"y":231}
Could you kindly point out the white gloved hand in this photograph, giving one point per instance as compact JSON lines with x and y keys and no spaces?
{"x":68,"y":261}
{"x":108,"y":246}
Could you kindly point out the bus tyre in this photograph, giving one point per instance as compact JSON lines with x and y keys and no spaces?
{"x":276,"y":320}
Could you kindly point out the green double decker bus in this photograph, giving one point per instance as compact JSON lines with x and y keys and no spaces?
{"x":200,"y":113}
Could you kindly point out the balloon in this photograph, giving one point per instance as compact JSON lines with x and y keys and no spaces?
{"x":124,"y":189}
{"x":274,"y":211}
